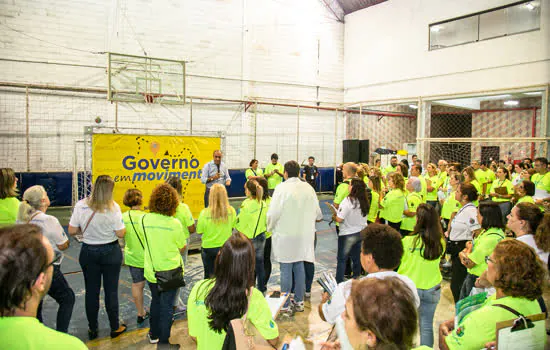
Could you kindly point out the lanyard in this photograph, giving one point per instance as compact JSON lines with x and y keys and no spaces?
{"x":541,"y":178}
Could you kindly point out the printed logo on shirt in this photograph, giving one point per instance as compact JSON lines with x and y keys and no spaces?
{"x":472,"y":221}
{"x":271,"y":324}
{"x":460,"y":331}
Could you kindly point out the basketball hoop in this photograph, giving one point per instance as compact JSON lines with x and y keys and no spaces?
{"x":151,"y":98}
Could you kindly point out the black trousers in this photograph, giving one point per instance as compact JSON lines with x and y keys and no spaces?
{"x":62,"y":293}
{"x":267,"y":261}
{"x":458,"y":271}
{"x":101,"y":262}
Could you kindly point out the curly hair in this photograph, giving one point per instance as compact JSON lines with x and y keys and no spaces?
{"x":398,"y":180}
{"x":23,"y":257}
{"x":520,"y":273}
{"x":386,"y":308}
{"x":164,"y":200}
{"x":132,"y":197}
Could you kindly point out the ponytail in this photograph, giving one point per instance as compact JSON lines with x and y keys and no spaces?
{"x":542,"y":234}
{"x":32,"y":201}
{"x":255,"y":189}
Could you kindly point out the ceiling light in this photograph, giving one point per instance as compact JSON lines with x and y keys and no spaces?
{"x":495,"y":97}
{"x":511,"y":103}
{"x":535,"y":93}
{"x":530,"y":6}
{"x":436,"y":28}
{"x":413,"y":106}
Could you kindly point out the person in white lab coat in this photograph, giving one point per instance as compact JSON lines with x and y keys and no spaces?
{"x":292,"y":214}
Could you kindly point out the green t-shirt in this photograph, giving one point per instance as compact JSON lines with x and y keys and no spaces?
{"x":259,"y":315}
{"x":413,"y":201}
{"x":214,"y":234}
{"x":491,"y":177}
{"x":483,"y":245}
{"x":393,"y":205}
{"x":252,"y":218}
{"x":267,"y":203}
{"x":249,"y":172}
{"x":342,"y":191}
{"x":542,"y":181}
{"x":509,"y":189}
{"x":443,"y":178}
{"x":526,"y":199}
{"x":8,"y":211}
{"x":479,"y":189}
{"x":164,"y":239}
{"x":432,"y":196}
{"x":424,"y":190}
{"x":479,"y":327}
{"x":389,"y":169}
{"x":184,"y":216}
{"x":450,"y":206}
{"x":275,"y":179}
{"x":133,"y":249}
{"x":481,"y":177}
{"x":27,"y":333}
{"x":374,"y":207}
{"x":424,"y":273}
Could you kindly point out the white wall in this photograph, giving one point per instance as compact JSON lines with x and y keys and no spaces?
{"x":387,"y":56}
{"x":276,"y":49}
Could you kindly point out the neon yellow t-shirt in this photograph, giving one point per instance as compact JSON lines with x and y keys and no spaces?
{"x":478,"y":327}
{"x":252,"y":218}
{"x":374,"y":207}
{"x":249,"y":172}
{"x":267,"y":203}
{"x":424,"y":273}
{"x":509,"y":189}
{"x":259,"y":315}
{"x":450,"y":206}
{"x":389,"y":169}
{"x":479,"y":189}
{"x":27,"y":333}
{"x":393,"y":205}
{"x":184,"y":216}
{"x":133,"y":249}
{"x":542,"y":181}
{"x":481,"y":177}
{"x":164,"y":238}
{"x":432,"y":196}
{"x":274,"y":179}
{"x":491,"y":177}
{"x":526,"y":199}
{"x":342,"y":191}
{"x":413,"y":201}
{"x":8,"y":211}
{"x":424,"y":190}
{"x":483,"y":245}
{"x":443,"y":178}
{"x":214,"y":234}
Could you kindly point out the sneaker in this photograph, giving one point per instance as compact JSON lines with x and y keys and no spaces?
{"x":119,"y":331}
{"x":307,"y":295}
{"x":141,"y":319}
{"x":286,"y":311}
{"x":298,"y":306}
{"x":151,"y":339}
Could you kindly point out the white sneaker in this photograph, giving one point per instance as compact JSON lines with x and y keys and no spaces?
{"x":298,"y":306}
{"x":307,"y":295}
{"x":151,"y":340}
{"x":286,"y":311}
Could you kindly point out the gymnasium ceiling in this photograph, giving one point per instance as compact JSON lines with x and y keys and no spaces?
{"x":350,"y":6}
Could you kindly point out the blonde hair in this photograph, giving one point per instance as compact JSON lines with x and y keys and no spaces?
{"x":218,"y":203}
{"x":398,"y":180}
{"x":433,"y":166}
{"x":32,"y":201}
{"x":101,"y":198}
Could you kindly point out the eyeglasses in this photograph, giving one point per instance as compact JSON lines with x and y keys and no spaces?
{"x":488,"y":258}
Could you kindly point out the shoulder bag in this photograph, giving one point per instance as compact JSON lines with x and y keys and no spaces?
{"x":169,"y":279}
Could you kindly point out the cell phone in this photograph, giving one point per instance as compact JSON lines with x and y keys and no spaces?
{"x":275,"y":294}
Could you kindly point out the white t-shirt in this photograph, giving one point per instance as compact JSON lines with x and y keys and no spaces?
{"x":102,"y":227}
{"x":530,"y":241}
{"x":337,"y":303}
{"x":464,"y":223}
{"x":354,"y":221}
{"x":52,"y":230}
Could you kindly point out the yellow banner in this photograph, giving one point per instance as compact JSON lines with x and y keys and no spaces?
{"x":144,"y":161}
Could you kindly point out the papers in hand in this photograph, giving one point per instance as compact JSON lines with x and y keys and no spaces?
{"x":275,"y":304}
{"x":332,"y":208}
{"x":328,"y":282}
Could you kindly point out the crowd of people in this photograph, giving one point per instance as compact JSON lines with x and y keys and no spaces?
{"x":396,"y":227}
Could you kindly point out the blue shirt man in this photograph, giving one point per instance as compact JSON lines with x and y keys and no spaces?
{"x":214,"y":172}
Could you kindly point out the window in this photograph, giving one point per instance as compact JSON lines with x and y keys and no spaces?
{"x":519,"y":17}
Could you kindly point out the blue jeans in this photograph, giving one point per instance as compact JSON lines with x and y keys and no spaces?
{"x":259,"y":245}
{"x":62,"y":293}
{"x":162,"y":312}
{"x":290,"y":271}
{"x":348,"y":246}
{"x":429,"y":298}
{"x":97,"y":262}
{"x":208,"y":256}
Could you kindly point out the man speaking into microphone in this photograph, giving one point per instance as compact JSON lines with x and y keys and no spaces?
{"x":214,"y":172}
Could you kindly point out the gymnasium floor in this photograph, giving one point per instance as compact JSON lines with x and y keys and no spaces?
{"x":306,"y":324}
